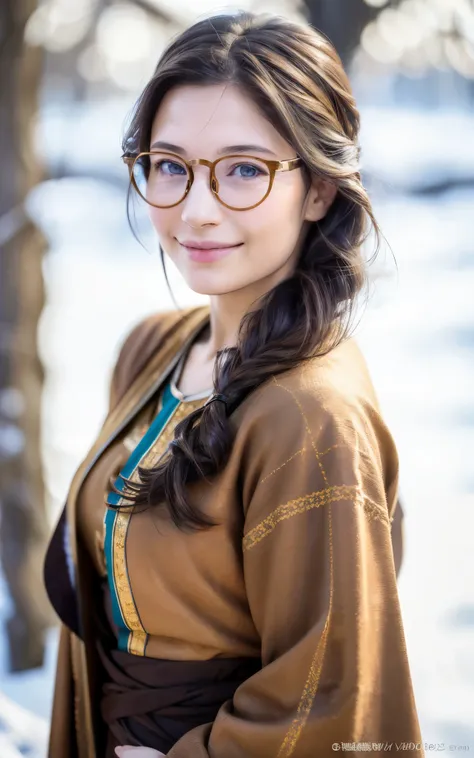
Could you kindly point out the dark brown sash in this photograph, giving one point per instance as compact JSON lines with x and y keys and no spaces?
{"x":153,"y":702}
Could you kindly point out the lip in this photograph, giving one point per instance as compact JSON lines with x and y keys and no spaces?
{"x":196,"y":245}
{"x":206,"y":252}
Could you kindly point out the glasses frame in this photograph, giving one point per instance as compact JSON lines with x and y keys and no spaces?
{"x":273,"y":166}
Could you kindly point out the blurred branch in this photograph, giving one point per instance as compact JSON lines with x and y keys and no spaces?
{"x":404,"y":34}
{"x":436,"y":188}
{"x":154,"y":10}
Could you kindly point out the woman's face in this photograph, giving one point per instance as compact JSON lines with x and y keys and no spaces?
{"x":203,"y":121}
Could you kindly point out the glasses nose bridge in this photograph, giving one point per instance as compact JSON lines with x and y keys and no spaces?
{"x":213,"y":183}
{"x":201,"y":162}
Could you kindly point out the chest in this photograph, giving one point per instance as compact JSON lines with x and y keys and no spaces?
{"x":156,"y":571}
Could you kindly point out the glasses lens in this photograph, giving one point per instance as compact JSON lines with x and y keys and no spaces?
{"x":241,"y":181}
{"x":161,"y":178}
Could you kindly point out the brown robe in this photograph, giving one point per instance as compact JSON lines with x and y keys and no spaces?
{"x":300,"y":569}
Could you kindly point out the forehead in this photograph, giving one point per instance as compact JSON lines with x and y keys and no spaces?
{"x":206,"y":117}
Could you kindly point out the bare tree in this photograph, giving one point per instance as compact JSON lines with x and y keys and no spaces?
{"x":343,"y":21}
{"x":444,"y":33}
{"x":23,"y":524}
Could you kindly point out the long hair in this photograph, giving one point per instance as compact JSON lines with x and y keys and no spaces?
{"x":294,"y":75}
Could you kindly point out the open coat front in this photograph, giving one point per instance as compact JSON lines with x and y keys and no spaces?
{"x":299,"y":571}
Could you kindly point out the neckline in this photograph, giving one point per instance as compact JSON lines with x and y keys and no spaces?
{"x":176,"y":392}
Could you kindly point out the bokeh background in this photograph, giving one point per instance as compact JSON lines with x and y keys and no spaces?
{"x":73,"y":281}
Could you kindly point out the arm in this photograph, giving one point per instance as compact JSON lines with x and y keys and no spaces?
{"x":320,"y":575}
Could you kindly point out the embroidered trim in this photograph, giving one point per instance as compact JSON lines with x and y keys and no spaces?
{"x":132,"y":635}
{"x":136,"y":434}
{"x":333,"y":447}
{"x":299,"y":452}
{"x":317,"y":499}
{"x":312,"y":682}
{"x":373,"y":511}
{"x":134,"y":641}
{"x":183,"y":410}
{"x":308,"y":429}
{"x":324,"y":497}
{"x":294,"y":507}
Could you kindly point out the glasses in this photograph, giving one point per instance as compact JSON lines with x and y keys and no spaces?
{"x":239,"y":182}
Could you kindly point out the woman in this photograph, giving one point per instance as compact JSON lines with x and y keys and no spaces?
{"x":235,"y":595}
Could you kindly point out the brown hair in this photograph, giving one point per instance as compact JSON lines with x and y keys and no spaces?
{"x":292,"y":72}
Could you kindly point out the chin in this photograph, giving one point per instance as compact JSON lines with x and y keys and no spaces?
{"x":203,"y":285}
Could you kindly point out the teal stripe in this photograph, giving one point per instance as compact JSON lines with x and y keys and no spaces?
{"x":143,"y":447}
{"x":145,"y":444}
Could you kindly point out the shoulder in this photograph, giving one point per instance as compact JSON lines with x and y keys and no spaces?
{"x":140,"y":344}
{"x":313,"y":428}
{"x":323,"y":402}
{"x":323,"y":388}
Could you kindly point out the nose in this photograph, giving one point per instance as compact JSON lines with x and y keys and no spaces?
{"x":200,"y":206}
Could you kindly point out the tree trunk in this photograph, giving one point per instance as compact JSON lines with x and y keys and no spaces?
{"x":342,"y":21}
{"x":23,"y":522}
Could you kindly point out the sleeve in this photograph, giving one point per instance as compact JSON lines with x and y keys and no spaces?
{"x":321,"y":583}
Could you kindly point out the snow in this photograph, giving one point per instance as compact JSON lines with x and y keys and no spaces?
{"x":22,"y":733}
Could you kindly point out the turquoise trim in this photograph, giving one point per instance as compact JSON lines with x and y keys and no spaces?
{"x":150,"y":437}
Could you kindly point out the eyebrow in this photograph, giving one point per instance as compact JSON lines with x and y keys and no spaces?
{"x":223,"y":151}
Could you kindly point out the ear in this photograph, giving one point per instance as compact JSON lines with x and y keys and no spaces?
{"x":319,"y":199}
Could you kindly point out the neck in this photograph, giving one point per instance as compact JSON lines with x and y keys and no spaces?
{"x":227,"y":311}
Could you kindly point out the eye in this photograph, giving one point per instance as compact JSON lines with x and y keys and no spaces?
{"x":249,"y":171}
{"x":168,"y":168}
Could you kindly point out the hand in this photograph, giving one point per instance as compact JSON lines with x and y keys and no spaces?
{"x":127,"y":751}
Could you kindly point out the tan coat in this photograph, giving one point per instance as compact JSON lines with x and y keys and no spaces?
{"x":301,"y":568}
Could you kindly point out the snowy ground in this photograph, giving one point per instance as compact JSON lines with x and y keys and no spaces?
{"x":22,"y":733}
{"x":418,"y":336}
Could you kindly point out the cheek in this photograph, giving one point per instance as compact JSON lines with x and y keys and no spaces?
{"x":162,"y":220}
{"x":275,"y":226}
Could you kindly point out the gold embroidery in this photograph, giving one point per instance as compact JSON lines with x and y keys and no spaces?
{"x":137,"y":640}
{"x":308,"y":429}
{"x":316,"y":499}
{"x":143,"y":423}
{"x":138,"y":637}
{"x":312,"y":681}
{"x":306,"y":503}
{"x":132,"y":440}
{"x":122,"y":584}
{"x":333,"y":447}
{"x":294,"y":507}
{"x":182,"y":410}
{"x":298,"y":452}
{"x":373,"y":511}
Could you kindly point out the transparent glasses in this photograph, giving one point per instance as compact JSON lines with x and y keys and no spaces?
{"x":239,"y":182}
